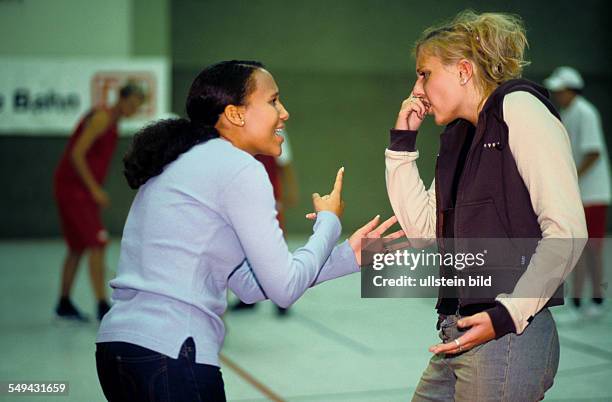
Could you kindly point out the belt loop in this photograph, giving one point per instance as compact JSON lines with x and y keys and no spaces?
{"x":441,"y":318}
{"x":185,"y":349}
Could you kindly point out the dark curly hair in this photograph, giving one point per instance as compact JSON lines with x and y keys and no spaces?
{"x":155,"y":146}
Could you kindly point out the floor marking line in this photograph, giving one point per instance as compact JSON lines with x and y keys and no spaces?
{"x":268,"y":393}
{"x":332,"y":334}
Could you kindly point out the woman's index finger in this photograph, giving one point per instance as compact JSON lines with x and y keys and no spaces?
{"x":338,"y":182}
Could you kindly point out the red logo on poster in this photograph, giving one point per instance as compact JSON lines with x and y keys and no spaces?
{"x":105,"y":89}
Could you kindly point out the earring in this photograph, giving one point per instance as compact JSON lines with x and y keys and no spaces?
{"x":242,"y":122}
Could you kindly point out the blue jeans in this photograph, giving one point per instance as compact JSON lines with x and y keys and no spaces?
{"x":511,"y":368}
{"x":132,"y":373}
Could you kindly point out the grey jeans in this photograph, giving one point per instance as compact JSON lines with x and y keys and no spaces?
{"x":511,"y":368}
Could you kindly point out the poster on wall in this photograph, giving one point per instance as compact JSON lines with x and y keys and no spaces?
{"x":43,"y":96}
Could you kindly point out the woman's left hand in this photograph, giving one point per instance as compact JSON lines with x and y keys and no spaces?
{"x":371,"y":230}
{"x":481,"y":331}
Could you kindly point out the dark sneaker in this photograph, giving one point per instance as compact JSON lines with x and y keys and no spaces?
{"x":66,"y":310}
{"x":240,"y":306}
{"x":103,"y":308}
{"x":282,"y":312}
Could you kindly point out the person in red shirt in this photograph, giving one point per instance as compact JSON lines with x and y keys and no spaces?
{"x":80,"y":196}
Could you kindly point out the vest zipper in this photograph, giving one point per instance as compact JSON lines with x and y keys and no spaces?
{"x":460,"y":191}
{"x":439,"y":212}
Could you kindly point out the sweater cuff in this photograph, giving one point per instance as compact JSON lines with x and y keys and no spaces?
{"x":502,"y":320}
{"x":331,"y":220}
{"x":403,"y":140}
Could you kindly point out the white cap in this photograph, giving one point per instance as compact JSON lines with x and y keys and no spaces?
{"x":564,"y":78}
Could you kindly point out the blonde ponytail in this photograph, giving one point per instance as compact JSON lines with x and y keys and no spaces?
{"x":494,"y":42}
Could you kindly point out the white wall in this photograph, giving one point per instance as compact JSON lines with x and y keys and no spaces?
{"x":66,"y":27}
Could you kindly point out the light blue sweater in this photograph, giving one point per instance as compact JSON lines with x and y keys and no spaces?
{"x":208,"y":222}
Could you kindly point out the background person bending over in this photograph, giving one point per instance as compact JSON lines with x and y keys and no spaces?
{"x":80,"y":196}
{"x":583,"y":124}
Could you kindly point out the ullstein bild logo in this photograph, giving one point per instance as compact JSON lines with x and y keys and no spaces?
{"x":105,"y":88}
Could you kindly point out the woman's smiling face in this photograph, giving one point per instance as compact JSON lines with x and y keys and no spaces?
{"x":264,"y":116}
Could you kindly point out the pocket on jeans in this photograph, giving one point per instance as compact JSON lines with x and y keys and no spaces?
{"x":446,"y":327}
{"x":449,"y":321}
{"x":145,"y":358}
{"x":130,"y":353}
{"x":144,"y":375}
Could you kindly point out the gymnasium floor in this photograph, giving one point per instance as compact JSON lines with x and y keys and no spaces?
{"x":334,"y":346}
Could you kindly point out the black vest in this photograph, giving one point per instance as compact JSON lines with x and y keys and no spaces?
{"x":482,"y":201}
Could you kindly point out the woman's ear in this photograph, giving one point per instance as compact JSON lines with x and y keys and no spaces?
{"x":234,"y":114}
{"x":466,"y":70}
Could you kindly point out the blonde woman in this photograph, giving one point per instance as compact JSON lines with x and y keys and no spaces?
{"x":504,"y":171}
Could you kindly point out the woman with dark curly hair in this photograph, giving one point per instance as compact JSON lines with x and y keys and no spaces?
{"x":204,"y":220}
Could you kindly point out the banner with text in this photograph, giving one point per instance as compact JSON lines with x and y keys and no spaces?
{"x":48,"y":96}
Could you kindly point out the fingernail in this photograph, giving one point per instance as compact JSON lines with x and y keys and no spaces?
{"x":342,"y":169}
{"x":377,"y":216}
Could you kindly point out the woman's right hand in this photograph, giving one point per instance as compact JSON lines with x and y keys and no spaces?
{"x":331,"y":202}
{"x":412,"y":113}
{"x":100,"y":197}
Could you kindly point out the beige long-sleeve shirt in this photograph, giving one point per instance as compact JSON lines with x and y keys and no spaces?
{"x":541,"y":148}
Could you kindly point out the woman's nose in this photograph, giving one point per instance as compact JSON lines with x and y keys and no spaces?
{"x":418,"y":88}
{"x":284,"y":114}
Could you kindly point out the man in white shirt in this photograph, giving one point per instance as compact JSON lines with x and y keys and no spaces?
{"x":583,"y":124}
